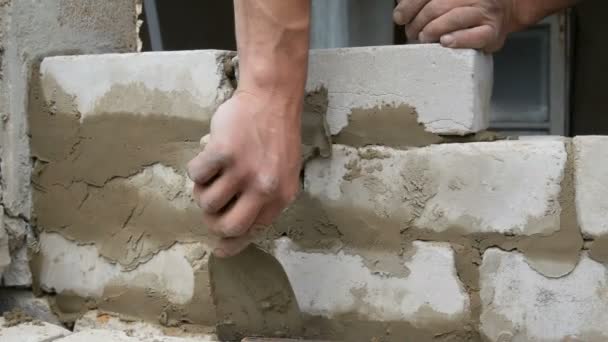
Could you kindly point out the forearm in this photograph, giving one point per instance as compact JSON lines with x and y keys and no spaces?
{"x":529,"y":12}
{"x":273,"y":41}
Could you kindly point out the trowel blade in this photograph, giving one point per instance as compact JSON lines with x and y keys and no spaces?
{"x":253,"y":296}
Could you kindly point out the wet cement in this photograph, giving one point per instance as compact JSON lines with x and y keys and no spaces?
{"x":327,"y":227}
{"x":82,"y":172}
{"x":397,"y":127}
{"x":599,"y":249}
{"x":82,"y":165}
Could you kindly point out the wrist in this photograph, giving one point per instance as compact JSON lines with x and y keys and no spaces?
{"x":279,"y":76}
{"x":276,"y":107}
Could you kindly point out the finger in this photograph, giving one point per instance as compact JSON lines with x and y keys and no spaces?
{"x":431,"y":11}
{"x":406,"y":10}
{"x":481,"y":37}
{"x":228,"y":247}
{"x":239,"y":217}
{"x":460,"y":18}
{"x":214,"y":197}
{"x":206,"y":165}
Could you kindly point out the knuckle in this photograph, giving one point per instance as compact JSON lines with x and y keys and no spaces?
{"x":209,"y":206}
{"x":221,"y":158}
{"x":267,"y":185}
{"x":234,"y":229}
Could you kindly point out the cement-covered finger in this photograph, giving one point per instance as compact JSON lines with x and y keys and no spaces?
{"x":240,"y":216}
{"x":206,"y":165}
{"x":214,"y":197}
{"x":227,"y":247}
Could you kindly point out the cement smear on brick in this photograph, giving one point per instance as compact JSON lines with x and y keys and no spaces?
{"x":85,"y":166}
{"x":325,"y":226}
{"x":81,"y":190}
{"x":316,"y":139}
{"x":397,"y":127}
{"x":599,"y":250}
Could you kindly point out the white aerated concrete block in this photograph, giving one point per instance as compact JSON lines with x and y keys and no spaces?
{"x":142,"y":330}
{"x":519,"y":304}
{"x":591,"y":179}
{"x":183,"y":84}
{"x":450,"y":89}
{"x":69,"y":267}
{"x":99,"y":335}
{"x":31,"y":332}
{"x":331,"y":285}
{"x":505,"y":187}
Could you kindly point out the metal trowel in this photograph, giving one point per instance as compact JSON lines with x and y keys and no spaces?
{"x":252,"y":295}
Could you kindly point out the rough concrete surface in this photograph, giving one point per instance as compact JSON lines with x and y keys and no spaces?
{"x":28,"y":32}
{"x":520,"y":304}
{"x":429,"y":295}
{"x":110,"y":182}
{"x":449,"y":89}
{"x":171,"y":287}
{"x":31,"y":332}
{"x":24,"y":300}
{"x":591,"y":161}
{"x":95,"y":320}
{"x":181,"y":84}
{"x":472,"y":188}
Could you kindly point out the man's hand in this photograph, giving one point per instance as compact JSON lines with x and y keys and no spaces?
{"x":248,"y":172}
{"x":475,"y":24}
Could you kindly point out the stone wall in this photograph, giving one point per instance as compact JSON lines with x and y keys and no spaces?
{"x":419,"y":225}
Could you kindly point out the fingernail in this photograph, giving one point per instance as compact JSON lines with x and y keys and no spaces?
{"x":447,"y":40}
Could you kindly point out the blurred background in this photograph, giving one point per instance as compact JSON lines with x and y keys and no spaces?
{"x":549,"y":79}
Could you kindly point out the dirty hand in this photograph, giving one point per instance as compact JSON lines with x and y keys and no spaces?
{"x":475,"y":24}
{"x":248,"y":172}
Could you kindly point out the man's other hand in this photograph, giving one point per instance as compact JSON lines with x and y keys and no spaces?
{"x":475,"y":24}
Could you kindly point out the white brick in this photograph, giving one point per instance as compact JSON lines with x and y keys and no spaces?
{"x":31,"y":332}
{"x":591,"y":179}
{"x":334,"y":284}
{"x":99,"y":335}
{"x":142,"y":330}
{"x":450,"y":89}
{"x":193,"y":81}
{"x":468,"y":187}
{"x":521,"y":304}
{"x":79,"y":269}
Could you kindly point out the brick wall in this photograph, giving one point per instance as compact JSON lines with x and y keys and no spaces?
{"x":420,"y":225}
